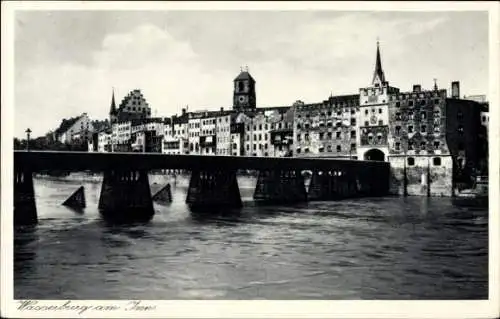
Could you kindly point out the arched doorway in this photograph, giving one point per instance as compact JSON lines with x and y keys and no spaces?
{"x":374,"y":155}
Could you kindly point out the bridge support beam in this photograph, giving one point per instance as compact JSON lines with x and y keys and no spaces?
{"x":280,"y":186}
{"x":24,"y":198}
{"x":125,"y":196}
{"x":210,"y":189}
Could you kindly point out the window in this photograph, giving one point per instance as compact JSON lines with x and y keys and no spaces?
{"x":353,"y":111}
{"x":423,"y":115}
{"x":337,"y":135}
{"x":353,"y":146}
{"x":436,"y":161}
{"x":321,"y":149}
{"x":329,"y":134}
{"x":298,"y":137}
{"x":366,"y":112}
{"x":321,"y":135}
{"x":255,"y":137}
{"x":248,"y":147}
{"x":366,"y":123}
{"x":423,"y":129}
{"x":423,"y":145}
{"x":298,"y":126}
{"x":260,"y":137}
{"x":298,"y":151}
{"x":380,"y":122}
{"x":306,"y":150}
{"x":260,"y":146}
{"x":410,"y":103}
{"x":398,"y":116}
{"x":398,"y":130}
{"x":353,"y":134}
{"x":397,"y":146}
{"x":410,"y":146}
{"x":379,"y":111}
{"x":410,"y":115}
{"x":255,"y":147}
{"x":398,"y":104}
{"x":265,"y":136}
{"x":353,"y":121}
{"x":306,"y":136}
{"x":329,"y":148}
{"x":410,"y":128}
{"x":266,"y":127}
{"x":265,"y":146}
{"x":260,"y":127}
{"x":436,"y":145}
{"x":339,"y":148}
{"x":411,"y":161}
{"x":436,"y":101}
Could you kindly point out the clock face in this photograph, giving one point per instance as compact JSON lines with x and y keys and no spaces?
{"x":373,"y":119}
{"x":241,"y":99}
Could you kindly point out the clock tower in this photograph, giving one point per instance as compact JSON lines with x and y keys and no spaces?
{"x":244,"y":92}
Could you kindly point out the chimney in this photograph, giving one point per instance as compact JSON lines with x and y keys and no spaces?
{"x":417,"y":88}
{"x":183,"y":111}
{"x":222,"y":109}
{"x":455,"y":90}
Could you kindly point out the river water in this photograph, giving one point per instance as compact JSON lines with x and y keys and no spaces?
{"x":372,"y":248}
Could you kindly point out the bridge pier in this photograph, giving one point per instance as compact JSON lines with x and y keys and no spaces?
{"x":24,"y":198}
{"x":125,"y":196}
{"x":210,"y":189}
{"x":280,"y":186}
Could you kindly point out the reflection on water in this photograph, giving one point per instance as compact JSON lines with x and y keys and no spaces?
{"x":377,"y":248}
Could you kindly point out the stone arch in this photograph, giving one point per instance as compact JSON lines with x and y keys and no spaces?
{"x":374,"y":155}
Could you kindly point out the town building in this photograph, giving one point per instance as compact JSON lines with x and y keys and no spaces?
{"x":326,"y":129}
{"x":77,"y":130}
{"x":132,"y":107}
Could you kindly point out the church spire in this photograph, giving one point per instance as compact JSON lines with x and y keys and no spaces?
{"x":378,"y":75}
{"x":113,"y":104}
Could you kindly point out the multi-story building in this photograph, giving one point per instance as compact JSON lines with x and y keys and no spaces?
{"x":208,"y":138}
{"x":223,"y":132}
{"x":194,"y":125}
{"x":132,"y":107}
{"x":257,"y":136}
{"x":281,"y":132}
{"x":326,"y":129}
{"x":75,"y":130}
{"x":121,"y":136}
{"x":104,"y":141}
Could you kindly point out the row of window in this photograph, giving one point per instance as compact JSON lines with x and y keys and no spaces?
{"x":380,"y":123}
{"x":321,"y":149}
{"x":423,"y":145}
{"x":266,"y":126}
{"x":328,"y":135}
{"x":423,"y":115}
{"x":307,"y":126}
{"x":410,"y":129}
{"x":418,"y":102}
{"x":257,"y":137}
{"x":436,"y":161}
{"x":329,"y":113}
{"x":254,"y":146}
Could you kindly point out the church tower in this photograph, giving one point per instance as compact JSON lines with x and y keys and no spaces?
{"x":244,"y":92}
{"x":113,"y":112}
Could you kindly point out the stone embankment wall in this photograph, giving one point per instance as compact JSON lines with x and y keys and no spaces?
{"x":422,"y":175}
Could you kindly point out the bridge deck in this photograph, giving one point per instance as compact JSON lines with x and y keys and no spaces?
{"x":76,"y":161}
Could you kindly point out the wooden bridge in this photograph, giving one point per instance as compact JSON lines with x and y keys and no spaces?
{"x":125,"y":194}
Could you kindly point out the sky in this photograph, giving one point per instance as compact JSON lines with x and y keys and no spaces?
{"x":68,"y":62}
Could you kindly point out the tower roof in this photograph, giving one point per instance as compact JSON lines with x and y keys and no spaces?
{"x":113,"y":104}
{"x":379,"y":73}
{"x":244,"y":75}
